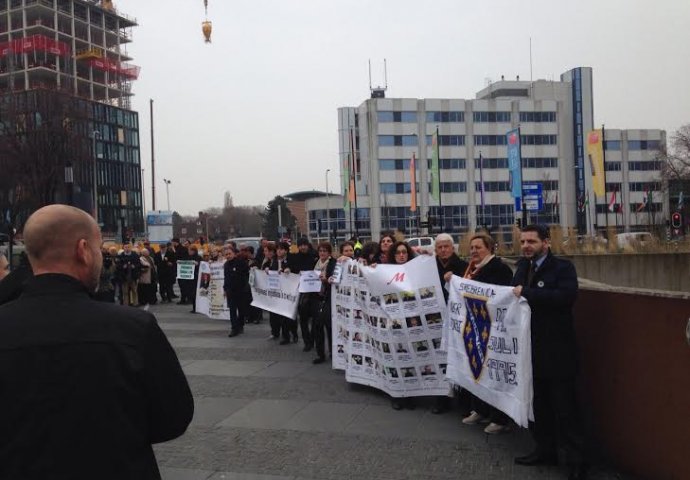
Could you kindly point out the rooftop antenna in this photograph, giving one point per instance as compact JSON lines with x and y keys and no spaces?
{"x":378,"y":91}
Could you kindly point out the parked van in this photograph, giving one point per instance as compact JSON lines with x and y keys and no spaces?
{"x":633,"y":238}
{"x":422,"y":243}
{"x":249,"y":241}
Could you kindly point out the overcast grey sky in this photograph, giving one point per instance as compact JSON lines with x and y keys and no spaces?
{"x":254,"y":112}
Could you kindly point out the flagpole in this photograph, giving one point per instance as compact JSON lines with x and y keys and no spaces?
{"x":354,"y":176}
{"x":438,"y":180}
{"x":481,"y":188}
{"x":603,"y":150}
{"x":522,"y":183}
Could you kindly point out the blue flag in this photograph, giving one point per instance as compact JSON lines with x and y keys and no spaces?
{"x":514,"y":160}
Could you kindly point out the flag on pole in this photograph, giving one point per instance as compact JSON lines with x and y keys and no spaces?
{"x":435,"y":178}
{"x":413,"y":184}
{"x":595,"y":152}
{"x":612,"y":202}
{"x":587,"y":200}
{"x":645,"y":200}
{"x":581,"y":203}
{"x":346,"y":182}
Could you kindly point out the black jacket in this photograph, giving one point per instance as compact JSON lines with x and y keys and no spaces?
{"x":301,"y":261}
{"x":236,"y":275}
{"x":166,"y":272}
{"x":12,"y":286}
{"x":495,"y":272}
{"x":454,"y":265}
{"x":86,"y":386}
{"x":551,"y":297}
{"x":128,"y":263}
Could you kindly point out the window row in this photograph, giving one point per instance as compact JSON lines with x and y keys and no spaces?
{"x":645,"y":166}
{"x":537,"y":117}
{"x":491,"y":117}
{"x":644,"y":186}
{"x":404,"y":164}
{"x":403,"y":117}
{"x":501,"y":163}
{"x":633,"y":144}
{"x":445,"y":117}
{"x":459,"y":140}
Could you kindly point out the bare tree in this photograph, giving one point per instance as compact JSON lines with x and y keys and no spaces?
{"x":42,"y":132}
{"x":676,"y":159}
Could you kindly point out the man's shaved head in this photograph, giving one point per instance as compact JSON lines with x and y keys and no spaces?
{"x":64,"y":239}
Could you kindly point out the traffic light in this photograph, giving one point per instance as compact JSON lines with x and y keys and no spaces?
{"x":518,"y":222}
{"x":676,"y":220}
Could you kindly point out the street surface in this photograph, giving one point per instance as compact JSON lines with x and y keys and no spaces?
{"x":264,"y":412}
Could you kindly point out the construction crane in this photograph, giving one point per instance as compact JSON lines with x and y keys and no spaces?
{"x":206,"y":25}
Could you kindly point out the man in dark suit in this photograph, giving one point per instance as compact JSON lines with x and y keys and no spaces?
{"x":550,"y":286}
{"x":87,"y":387}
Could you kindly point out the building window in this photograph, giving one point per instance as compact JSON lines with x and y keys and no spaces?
{"x":401,"y":187}
{"x":612,"y":145}
{"x":501,"y":163}
{"x":492,"y":117}
{"x":613,"y":166}
{"x":454,"y":217}
{"x":449,"y":163}
{"x":400,"y":218}
{"x":643,"y":186}
{"x":445,"y":117}
{"x":397,"y":140}
{"x":492,"y":186}
{"x":645,"y":166}
{"x":490,"y":140}
{"x":448,"y":140}
{"x":539,"y":139}
{"x":613,"y":187}
{"x":400,"y":117}
{"x":654,"y":207}
{"x":395,"y":164}
{"x":495,"y":214}
{"x":537,"y":117}
{"x":452,"y":187}
{"x":643,"y":144}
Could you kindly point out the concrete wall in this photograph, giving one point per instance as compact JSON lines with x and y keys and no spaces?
{"x":656,"y":271}
{"x":635,"y":380}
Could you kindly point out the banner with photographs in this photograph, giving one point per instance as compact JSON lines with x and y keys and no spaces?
{"x":489,"y":346}
{"x":387,"y":327}
{"x":276,"y":292}
{"x":210,"y":299}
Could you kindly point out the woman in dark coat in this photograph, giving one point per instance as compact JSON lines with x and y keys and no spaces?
{"x":322,"y":305}
{"x":486,"y":267}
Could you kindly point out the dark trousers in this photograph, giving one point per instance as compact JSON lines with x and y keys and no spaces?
{"x":306,"y":318}
{"x":556,"y":424}
{"x":288,"y":327}
{"x":236,"y":319}
{"x":322,"y":324}
{"x":276,"y":323}
{"x":166,"y":289}
{"x":147,"y":293}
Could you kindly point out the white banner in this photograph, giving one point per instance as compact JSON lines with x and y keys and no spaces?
{"x":185,"y":269}
{"x":489,"y":346}
{"x":210,"y":298}
{"x":276,"y":292}
{"x":309,"y":281}
{"x":387,"y":327}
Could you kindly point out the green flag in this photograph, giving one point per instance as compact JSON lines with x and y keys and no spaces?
{"x":435,"y":179}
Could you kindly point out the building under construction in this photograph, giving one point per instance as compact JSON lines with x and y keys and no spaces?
{"x":77,"y":49}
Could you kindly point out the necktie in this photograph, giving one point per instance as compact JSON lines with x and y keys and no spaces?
{"x":530,"y":272}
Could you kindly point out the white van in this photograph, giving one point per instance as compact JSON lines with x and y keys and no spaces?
{"x":422,"y":243}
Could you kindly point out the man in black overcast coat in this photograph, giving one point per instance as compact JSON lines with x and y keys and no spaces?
{"x":86,"y":387}
{"x":550,"y":286}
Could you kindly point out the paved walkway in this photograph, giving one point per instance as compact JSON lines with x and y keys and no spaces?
{"x":264,"y":412}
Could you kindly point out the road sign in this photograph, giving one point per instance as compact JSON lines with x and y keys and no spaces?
{"x":534,"y":198}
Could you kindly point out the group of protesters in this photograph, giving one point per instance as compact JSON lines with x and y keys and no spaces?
{"x":548,"y":283}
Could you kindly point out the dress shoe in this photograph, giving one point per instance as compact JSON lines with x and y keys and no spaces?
{"x":295,"y":339}
{"x":473,"y":418}
{"x":233,"y":333}
{"x":284,"y":342}
{"x":318,"y":360}
{"x":496,"y":428}
{"x":537,"y":458}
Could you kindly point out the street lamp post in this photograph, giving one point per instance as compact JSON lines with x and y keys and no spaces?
{"x":95,"y":134}
{"x":328,"y":207}
{"x":167,"y":190}
{"x":143,"y":200}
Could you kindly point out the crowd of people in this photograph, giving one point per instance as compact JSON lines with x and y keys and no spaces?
{"x":137,"y":276}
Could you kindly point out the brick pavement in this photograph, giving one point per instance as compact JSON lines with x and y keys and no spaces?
{"x":264,"y":412}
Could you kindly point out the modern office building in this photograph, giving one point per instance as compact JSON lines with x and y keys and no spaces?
{"x":554,"y":118}
{"x":76,"y":50}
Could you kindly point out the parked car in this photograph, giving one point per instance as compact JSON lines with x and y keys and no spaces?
{"x":249,"y":241}
{"x":630,"y":239}
{"x":422,"y":243}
